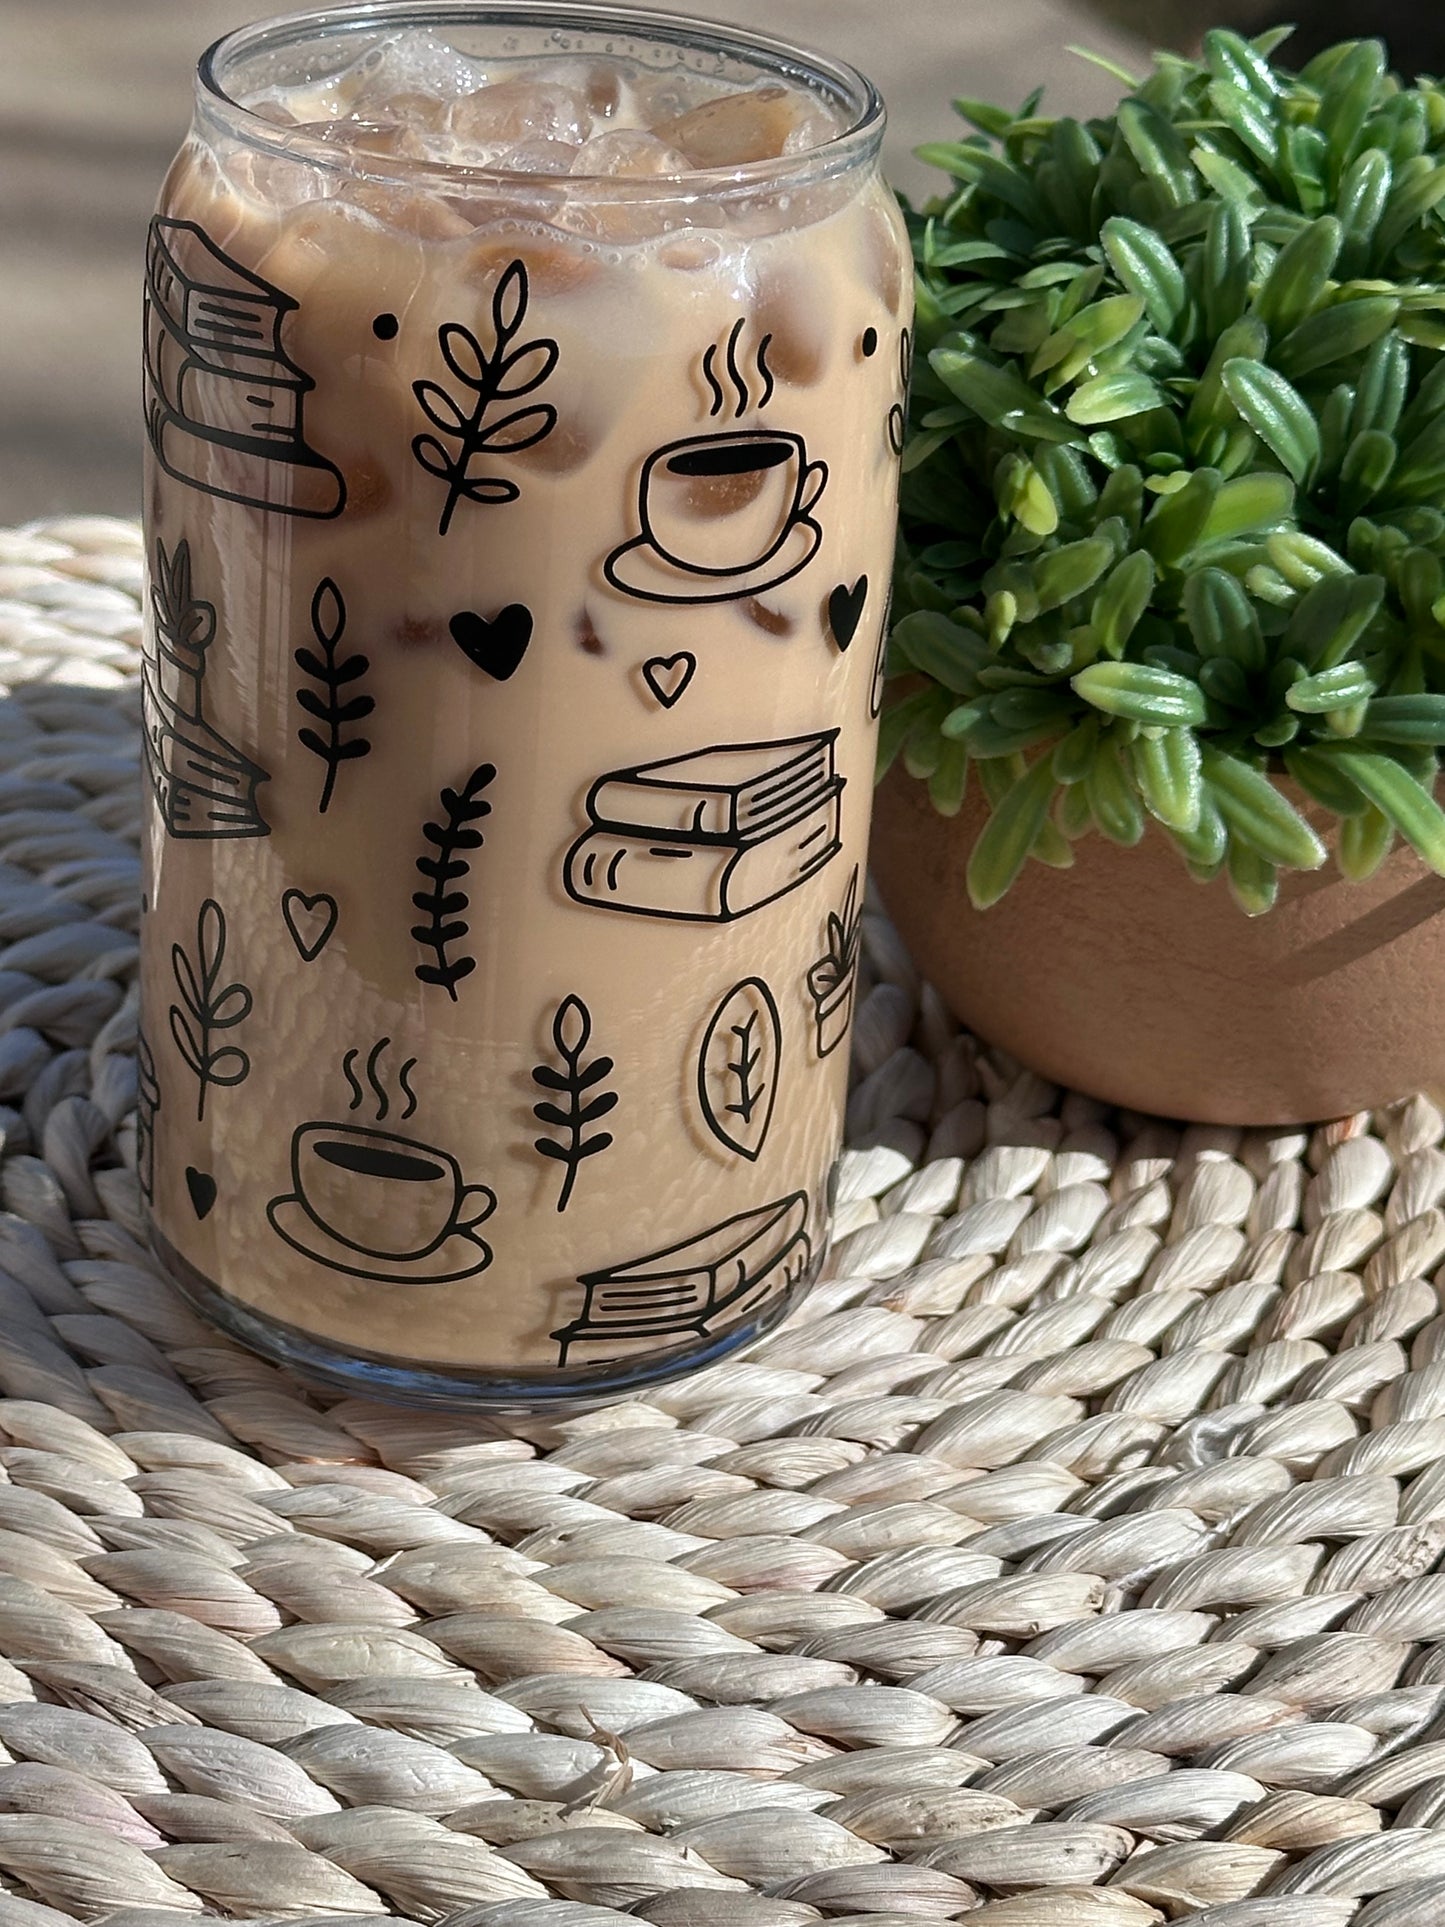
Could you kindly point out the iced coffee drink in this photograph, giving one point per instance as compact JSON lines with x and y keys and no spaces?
{"x":523,"y":390}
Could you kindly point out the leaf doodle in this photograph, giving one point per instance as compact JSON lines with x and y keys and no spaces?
{"x":506,"y":375}
{"x":442,"y":905}
{"x":577,"y":1082}
{"x":331,"y":708}
{"x":206,"y":1007}
{"x":737,"y":1067}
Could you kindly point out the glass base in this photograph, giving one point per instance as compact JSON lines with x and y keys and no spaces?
{"x":367,"y":1374}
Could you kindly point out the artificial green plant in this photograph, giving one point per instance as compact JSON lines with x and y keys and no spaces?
{"x":1174,"y":485}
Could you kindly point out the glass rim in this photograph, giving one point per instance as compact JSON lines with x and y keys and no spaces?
{"x":859,"y":140}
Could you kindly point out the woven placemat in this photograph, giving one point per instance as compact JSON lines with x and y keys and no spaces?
{"x":1070,"y":1562}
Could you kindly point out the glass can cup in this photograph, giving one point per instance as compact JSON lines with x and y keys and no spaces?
{"x":519,"y":553}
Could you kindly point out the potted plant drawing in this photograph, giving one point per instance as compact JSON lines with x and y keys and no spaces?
{"x":1168,"y":649}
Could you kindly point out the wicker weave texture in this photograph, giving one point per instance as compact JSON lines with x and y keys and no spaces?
{"x":1071,"y":1562}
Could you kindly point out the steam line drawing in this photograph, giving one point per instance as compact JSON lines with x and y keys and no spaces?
{"x":574,"y":1099}
{"x":508,"y":373}
{"x":379,"y":1090}
{"x":207,"y":1007}
{"x":720,"y":400}
{"x":330,"y":706}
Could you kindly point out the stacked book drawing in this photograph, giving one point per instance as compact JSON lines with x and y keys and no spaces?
{"x":689,"y":1285}
{"x":709,"y":836}
{"x":223,"y":398}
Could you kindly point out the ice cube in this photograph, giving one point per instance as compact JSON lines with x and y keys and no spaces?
{"x":788,"y":312}
{"x":553,"y":267}
{"x":731,"y":130}
{"x":408,"y":212}
{"x":629,"y":153}
{"x":520,"y":110}
{"x":417,"y":62}
{"x":539,"y":157}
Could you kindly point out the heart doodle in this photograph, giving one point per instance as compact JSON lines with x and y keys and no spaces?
{"x":202,"y":1187}
{"x":496,"y":646}
{"x":845,"y":610}
{"x":310,"y":920}
{"x":668,"y":676}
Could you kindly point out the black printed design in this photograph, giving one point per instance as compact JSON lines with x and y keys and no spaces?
{"x":898,"y":413}
{"x":379,"y":1204}
{"x":575,"y":1100}
{"x":505,"y":375}
{"x":147,"y":1103}
{"x":208,"y":1007}
{"x":496,"y":647}
{"x":737,"y":399}
{"x":310,"y":921}
{"x":880,"y":661}
{"x":667,"y":677}
{"x":224,"y":402}
{"x":329,"y":705}
{"x":833,"y":979}
{"x":203,"y":785}
{"x":452,"y":840}
{"x":845,"y":611}
{"x":738,"y":1068}
{"x":710,"y":836}
{"x":723,"y":517}
{"x":203,"y":1190}
{"x":730,"y":1269}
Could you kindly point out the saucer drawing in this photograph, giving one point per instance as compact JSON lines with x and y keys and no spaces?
{"x":639,"y":569}
{"x":461,"y":1254}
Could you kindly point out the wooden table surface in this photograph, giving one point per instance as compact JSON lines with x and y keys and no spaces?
{"x":94,"y":96}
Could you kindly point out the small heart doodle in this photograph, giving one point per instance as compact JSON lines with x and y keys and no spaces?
{"x":845,"y":610}
{"x":310,"y":920}
{"x":202,"y":1187}
{"x":668,"y":676}
{"x":496,"y":646}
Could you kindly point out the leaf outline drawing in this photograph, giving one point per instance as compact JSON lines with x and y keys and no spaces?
{"x":738,"y":1066}
{"x":328,"y":625}
{"x":571,"y":1034}
{"x":441,"y":905}
{"x":509,"y":374}
{"x":208,"y":1009}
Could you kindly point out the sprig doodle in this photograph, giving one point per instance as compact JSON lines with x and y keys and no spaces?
{"x":571,"y":1034}
{"x":507,"y":374}
{"x":330,"y":707}
{"x":442,"y":904}
{"x":207,"y":1007}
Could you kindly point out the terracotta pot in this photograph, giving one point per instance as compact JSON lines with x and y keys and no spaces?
{"x":1124,"y":978}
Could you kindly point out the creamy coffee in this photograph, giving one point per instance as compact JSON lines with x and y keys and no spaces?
{"x":520,"y":518}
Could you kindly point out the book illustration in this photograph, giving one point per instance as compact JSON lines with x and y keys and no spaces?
{"x":224,"y":402}
{"x":208,"y":1007}
{"x":738,"y":1067}
{"x":486,"y":380}
{"x":833,"y":979}
{"x":203,"y":785}
{"x":688,"y":1287}
{"x":667,"y":677}
{"x":147,"y":1103}
{"x":379,"y":1204}
{"x":496,"y":646}
{"x":737,"y":398}
{"x":722,"y":518}
{"x":310,"y":921}
{"x":898,"y":413}
{"x":845,"y":611}
{"x":202,"y":1188}
{"x":330,"y":705}
{"x":452,"y":842}
{"x":574,"y":1096}
{"x":709,"y":836}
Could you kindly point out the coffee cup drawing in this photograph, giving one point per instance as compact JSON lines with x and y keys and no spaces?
{"x":722,"y":516}
{"x":374,"y":1204}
